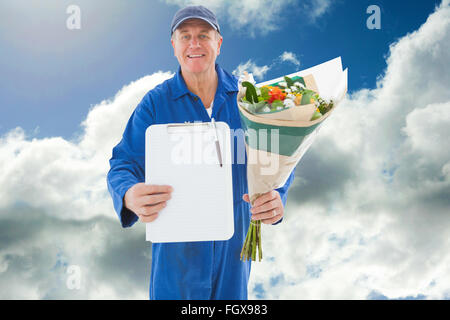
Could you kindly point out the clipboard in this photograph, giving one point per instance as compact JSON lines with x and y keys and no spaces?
{"x":184,"y":156}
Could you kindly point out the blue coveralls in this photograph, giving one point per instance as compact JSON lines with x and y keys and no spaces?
{"x":187,"y":270}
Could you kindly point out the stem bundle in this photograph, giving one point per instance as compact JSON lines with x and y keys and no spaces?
{"x":252,"y":241}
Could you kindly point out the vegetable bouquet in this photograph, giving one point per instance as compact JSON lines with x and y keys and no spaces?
{"x":281,"y":119}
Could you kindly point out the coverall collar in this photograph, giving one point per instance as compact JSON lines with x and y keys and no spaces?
{"x":225,"y":83}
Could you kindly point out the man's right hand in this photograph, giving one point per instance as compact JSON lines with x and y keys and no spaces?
{"x":147,"y":200}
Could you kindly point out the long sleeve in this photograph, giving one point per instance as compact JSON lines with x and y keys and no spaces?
{"x":127,"y":164}
{"x":283,"y":191}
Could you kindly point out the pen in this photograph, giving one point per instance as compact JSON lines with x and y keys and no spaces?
{"x":219,"y":155}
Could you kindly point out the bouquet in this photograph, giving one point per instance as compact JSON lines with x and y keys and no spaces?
{"x":290,"y":110}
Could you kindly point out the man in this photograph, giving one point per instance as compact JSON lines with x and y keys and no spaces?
{"x":200,"y":90}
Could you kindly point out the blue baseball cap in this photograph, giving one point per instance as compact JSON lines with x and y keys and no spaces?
{"x":194,"y":12}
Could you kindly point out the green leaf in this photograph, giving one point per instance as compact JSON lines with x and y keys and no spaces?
{"x":251,"y":108}
{"x":299,"y":79}
{"x":289,"y":81}
{"x":260,"y":106}
{"x":250,"y":93}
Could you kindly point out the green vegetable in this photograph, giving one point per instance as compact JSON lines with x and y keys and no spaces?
{"x":276,"y":104}
{"x":265,"y":93}
{"x":250,"y":93}
{"x":316,"y":115}
{"x":306,"y":97}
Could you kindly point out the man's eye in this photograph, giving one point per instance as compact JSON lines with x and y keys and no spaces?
{"x":203,"y":36}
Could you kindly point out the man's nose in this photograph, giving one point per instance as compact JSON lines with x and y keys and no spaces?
{"x":194,"y":42}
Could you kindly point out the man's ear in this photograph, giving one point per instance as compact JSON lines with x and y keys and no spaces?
{"x":220,"y":45}
{"x":173,"y":46}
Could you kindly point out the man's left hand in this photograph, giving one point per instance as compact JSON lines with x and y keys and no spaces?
{"x":268,"y":207}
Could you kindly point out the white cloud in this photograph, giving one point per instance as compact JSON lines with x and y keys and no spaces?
{"x":290,"y":57}
{"x":428,"y":131}
{"x":38,"y":249}
{"x":55,"y":211}
{"x":317,"y":8}
{"x":249,"y":66}
{"x":51,"y":173}
{"x":368,"y":214}
{"x":260,"y":71}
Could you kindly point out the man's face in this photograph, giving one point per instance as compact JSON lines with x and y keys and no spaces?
{"x":196,"y":45}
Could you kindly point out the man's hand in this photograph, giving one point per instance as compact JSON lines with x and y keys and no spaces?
{"x":268,"y":207}
{"x":147,"y":200}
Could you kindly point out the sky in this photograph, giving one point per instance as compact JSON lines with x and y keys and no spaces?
{"x":52,"y":76}
{"x":367,"y":216}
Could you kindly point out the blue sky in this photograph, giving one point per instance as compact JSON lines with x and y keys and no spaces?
{"x":52,"y":76}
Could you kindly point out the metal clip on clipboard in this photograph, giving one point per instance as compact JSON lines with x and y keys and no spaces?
{"x":178,"y":127}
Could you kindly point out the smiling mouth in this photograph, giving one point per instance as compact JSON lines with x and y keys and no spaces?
{"x":195,"y":56}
